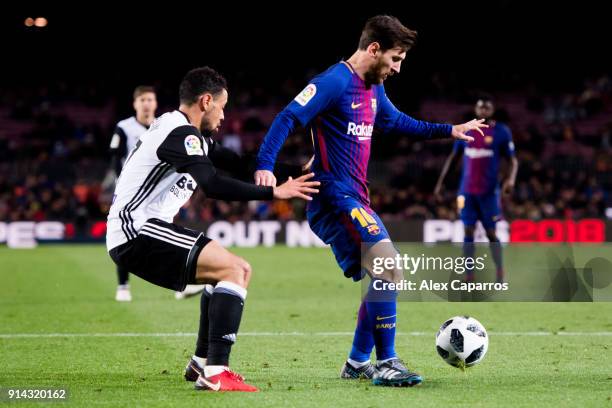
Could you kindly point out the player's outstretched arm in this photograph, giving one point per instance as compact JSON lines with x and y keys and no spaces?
{"x":221,"y":187}
{"x":192,"y":160}
{"x":297,"y":188}
{"x":391,"y":120}
{"x":459,"y":131}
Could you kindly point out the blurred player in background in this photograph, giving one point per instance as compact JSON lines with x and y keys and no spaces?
{"x":341,"y":108}
{"x":126,"y":135}
{"x":478,"y":198}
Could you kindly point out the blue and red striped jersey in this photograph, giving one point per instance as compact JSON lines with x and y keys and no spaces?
{"x":481,"y":158}
{"x":341,"y":113}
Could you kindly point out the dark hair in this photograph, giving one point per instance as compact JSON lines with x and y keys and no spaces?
{"x":388,"y":31}
{"x":143,"y":89}
{"x":199,"y":81}
{"x":485,"y":97}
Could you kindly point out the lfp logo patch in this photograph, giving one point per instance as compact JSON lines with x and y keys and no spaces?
{"x":306,"y":95}
{"x":193,"y":146}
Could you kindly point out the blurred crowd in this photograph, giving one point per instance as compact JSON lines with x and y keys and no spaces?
{"x":54,"y":155}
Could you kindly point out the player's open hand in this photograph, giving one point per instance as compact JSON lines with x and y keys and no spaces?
{"x":459,"y":131}
{"x":265,"y":178}
{"x":298,"y":187}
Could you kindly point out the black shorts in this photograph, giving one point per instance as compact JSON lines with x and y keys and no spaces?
{"x":162,"y":253}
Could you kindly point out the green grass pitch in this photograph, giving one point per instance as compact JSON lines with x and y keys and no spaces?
{"x":299,"y":292}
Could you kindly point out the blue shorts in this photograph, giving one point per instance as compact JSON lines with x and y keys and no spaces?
{"x":345,"y":223}
{"x":485,"y":208}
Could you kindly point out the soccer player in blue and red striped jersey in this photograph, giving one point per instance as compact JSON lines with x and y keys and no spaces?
{"x":341,"y":108}
{"x":478,"y":198}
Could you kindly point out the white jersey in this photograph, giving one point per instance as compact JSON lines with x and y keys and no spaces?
{"x":151,"y":184}
{"x":126,"y":135}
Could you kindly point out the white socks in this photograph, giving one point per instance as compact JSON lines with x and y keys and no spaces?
{"x":209,"y":371}
{"x":357,"y":364}
{"x":379,"y":362}
{"x":201,"y":361}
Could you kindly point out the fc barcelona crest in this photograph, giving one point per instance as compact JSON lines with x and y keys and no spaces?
{"x":373,"y":229}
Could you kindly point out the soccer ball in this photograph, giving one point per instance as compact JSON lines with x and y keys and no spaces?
{"x":462,"y":341}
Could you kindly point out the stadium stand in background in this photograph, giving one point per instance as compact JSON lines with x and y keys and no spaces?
{"x":54,"y":153}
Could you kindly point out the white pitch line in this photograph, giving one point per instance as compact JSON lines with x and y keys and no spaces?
{"x":284,"y":334}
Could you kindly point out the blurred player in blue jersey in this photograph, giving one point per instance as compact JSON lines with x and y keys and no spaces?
{"x":478,"y":198}
{"x":341,"y":108}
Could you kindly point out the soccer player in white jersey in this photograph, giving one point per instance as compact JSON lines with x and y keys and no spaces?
{"x":176,"y":155}
{"x":125,"y":136}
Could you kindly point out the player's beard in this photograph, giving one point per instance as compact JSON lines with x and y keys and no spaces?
{"x":206,"y":127}
{"x":374,"y":74}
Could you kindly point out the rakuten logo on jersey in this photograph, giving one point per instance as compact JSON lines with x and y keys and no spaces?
{"x":478,"y":153}
{"x":362,"y":130}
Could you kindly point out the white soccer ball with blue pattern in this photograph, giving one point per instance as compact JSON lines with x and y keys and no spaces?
{"x":462,"y":341}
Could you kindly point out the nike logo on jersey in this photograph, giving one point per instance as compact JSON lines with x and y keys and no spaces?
{"x":385,"y":317}
{"x":355,"y":105}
